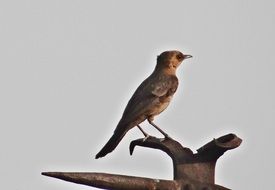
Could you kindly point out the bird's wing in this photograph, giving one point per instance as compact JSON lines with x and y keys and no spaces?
{"x":160,"y":88}
{"x":146,"y":95}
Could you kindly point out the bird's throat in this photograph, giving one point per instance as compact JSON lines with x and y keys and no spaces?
{"x":169,"y":71}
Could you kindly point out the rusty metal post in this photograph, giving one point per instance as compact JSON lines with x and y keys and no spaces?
{"x":192,"y":171}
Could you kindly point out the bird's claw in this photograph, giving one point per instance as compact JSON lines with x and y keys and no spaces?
{"x":167,"y":137}
{"x":145,"y":138}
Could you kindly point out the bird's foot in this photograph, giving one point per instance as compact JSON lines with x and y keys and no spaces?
{"x":166,"y":136}
{"x":145,"y":138}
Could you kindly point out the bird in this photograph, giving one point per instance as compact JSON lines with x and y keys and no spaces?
{"x":150,"y":99}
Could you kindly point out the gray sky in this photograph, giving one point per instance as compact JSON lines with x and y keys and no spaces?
{"x":68,"y":68}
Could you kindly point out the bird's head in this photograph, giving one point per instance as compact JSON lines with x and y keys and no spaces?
{"x":170,"y":60}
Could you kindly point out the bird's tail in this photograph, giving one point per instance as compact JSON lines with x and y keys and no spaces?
{"x":112,"y":143}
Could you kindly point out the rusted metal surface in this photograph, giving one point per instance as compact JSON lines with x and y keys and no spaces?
{"x":122,"y":182}
{"x":113,"y":181}
{"x":199,"y":166}
{"x":192,"y":171}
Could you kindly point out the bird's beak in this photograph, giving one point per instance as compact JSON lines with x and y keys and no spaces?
{"x":187,"y":56}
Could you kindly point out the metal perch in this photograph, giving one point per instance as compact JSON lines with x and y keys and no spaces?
{"x":191,"y":171}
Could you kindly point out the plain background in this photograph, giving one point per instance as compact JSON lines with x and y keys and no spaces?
{"x":68,"y":68}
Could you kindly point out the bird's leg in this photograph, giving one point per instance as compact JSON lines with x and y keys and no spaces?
{"x":143,"y":132}
{"x":159,"y":129}
{"x":146,"y":136}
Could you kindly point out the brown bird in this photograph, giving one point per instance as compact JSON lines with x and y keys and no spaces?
{"x":150,"y":99}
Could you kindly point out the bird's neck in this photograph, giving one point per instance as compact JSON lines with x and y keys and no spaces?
{"x":166,"y":71}
{"x":167,"y":68}
{"x":170,"y":71}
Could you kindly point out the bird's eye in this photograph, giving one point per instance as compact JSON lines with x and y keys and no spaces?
{"x":179,"y":56}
